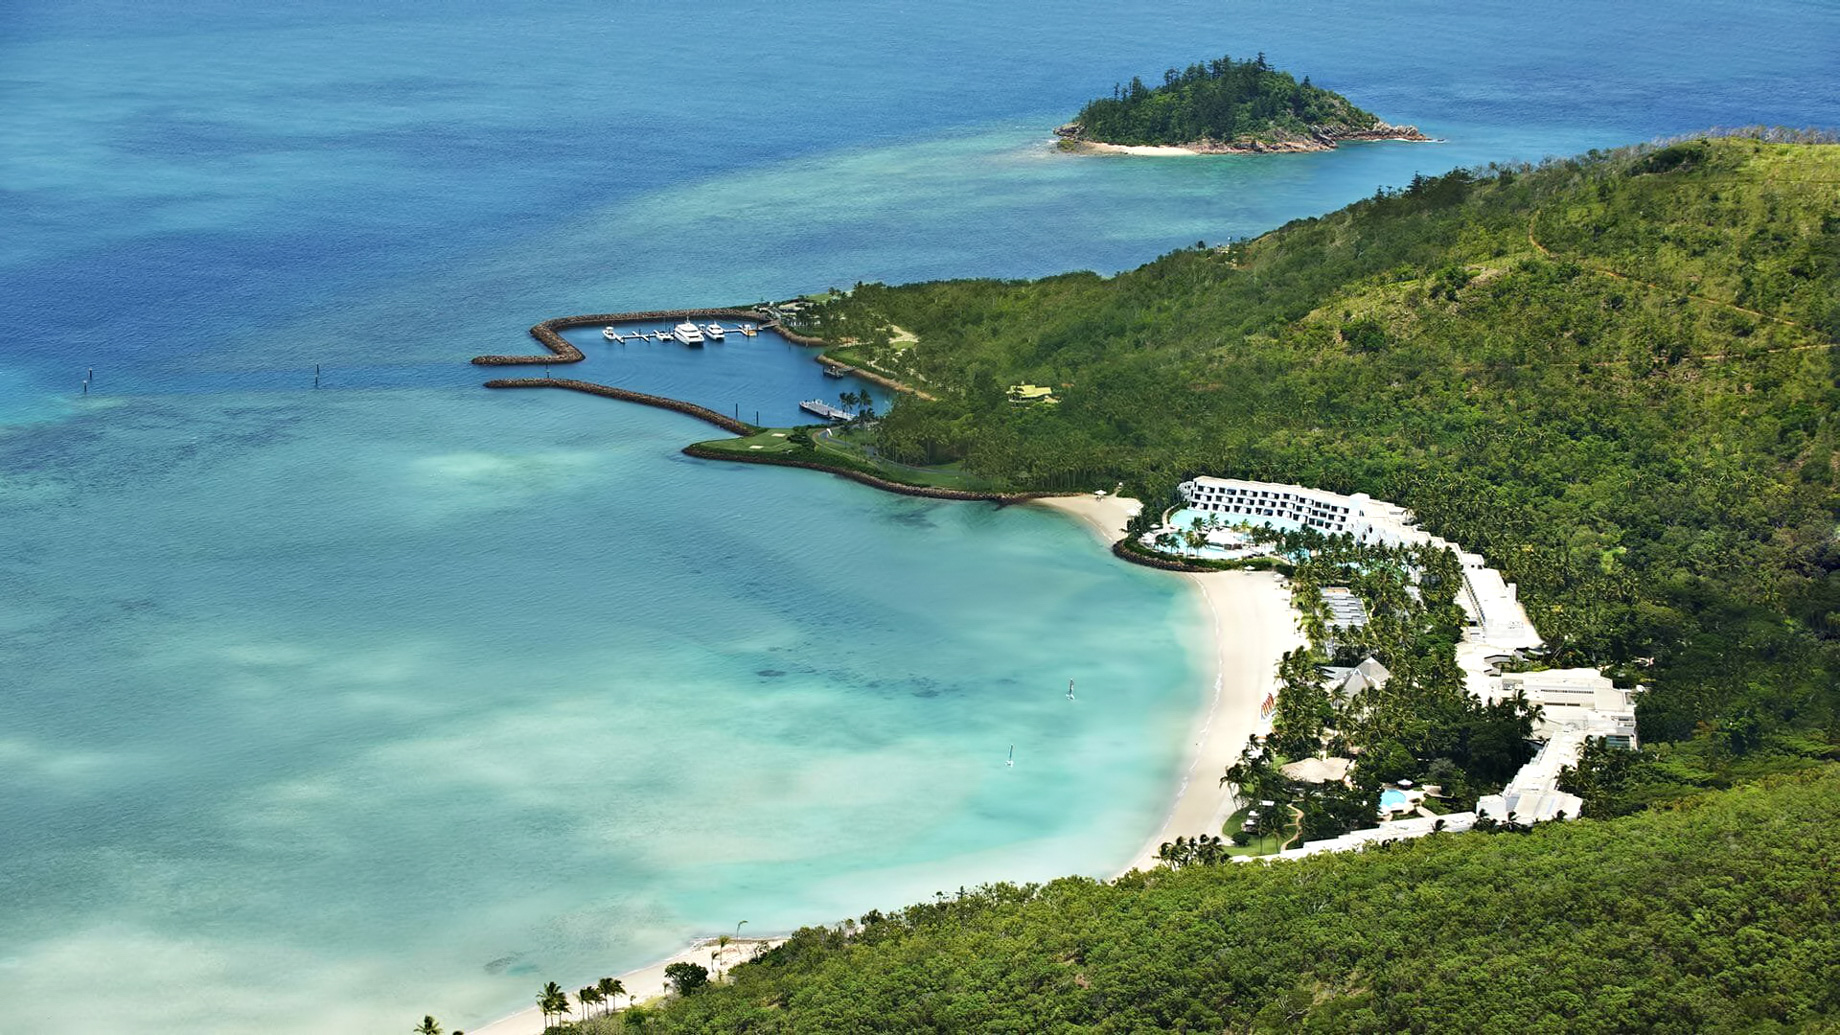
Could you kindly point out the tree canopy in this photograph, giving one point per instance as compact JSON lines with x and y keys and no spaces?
{"x":1717,"y":917}
{"x":1226,"y":102}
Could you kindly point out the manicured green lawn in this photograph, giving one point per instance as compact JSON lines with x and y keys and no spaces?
{"x":1264,"y":844}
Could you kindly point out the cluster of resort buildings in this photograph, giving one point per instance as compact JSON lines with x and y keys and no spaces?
{"x":1576,"y":705}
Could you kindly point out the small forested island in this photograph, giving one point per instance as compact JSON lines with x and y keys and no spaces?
{"x":1226,"y":107}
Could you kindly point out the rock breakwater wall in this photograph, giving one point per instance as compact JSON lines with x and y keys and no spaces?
{"x":720,"y":420}
{"x":548,"y":333}
{"x":928,"y":491}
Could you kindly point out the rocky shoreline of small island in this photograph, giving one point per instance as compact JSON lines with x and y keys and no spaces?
{"x":1071,"y":137}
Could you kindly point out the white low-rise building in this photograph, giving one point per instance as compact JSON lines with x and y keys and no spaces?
{"x":1575,"y":698}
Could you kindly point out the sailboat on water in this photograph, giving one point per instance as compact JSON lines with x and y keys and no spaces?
{"x":1012,"y":757}
{"x":1069,"y":689}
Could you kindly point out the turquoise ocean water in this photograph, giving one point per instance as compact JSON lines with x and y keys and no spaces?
{"x":320,"y":710}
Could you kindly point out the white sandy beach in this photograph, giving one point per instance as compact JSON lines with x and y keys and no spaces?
{"x":1170,"y":150}
{"x":645,"y":983}
{"x":1253,"y":625}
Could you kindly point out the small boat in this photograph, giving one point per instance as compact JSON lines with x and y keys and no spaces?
{"x":714,"y":331}
{"x":688,"y":333}
{"x":1069,"y":689}
{"x":610,"y":334}
{"x":1012,"y":757}
{"x":833,"y":371}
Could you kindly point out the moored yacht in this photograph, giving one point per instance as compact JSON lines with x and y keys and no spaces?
{"x":610,"y":334}
{"x":687,"y":333}
{"x":714,"y":331}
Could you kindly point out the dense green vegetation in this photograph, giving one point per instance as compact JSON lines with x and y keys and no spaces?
{"x":1721,"y":916}
{"x":1612,"y":376}
{"x":1225,"y":102}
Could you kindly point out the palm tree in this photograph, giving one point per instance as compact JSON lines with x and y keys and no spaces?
{"x":612,"y":989}
{"x":588,"y":996}
{"x":429,"y":1026}
{"x":553,"y":1001}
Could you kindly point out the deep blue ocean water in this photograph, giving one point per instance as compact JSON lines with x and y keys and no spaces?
{"x":320,"y":710}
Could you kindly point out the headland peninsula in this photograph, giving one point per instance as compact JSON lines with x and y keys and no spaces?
{"x":1224,"y":107}
{"x":1550,"y":366}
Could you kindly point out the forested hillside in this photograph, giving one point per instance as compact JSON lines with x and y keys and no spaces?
{"x":1714,"y":918}
{"x":1612,"y":376}
{"x":1227,"y":103}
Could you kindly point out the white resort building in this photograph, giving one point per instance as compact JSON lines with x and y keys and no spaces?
{"x":1576,"y":704}
{"x":1500,"y":626}
{"x":1260,"y":503}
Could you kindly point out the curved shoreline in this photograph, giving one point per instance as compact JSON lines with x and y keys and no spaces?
{"x":871,"y":376}
{"x":1256,"y":604}
{"x":1250,"y":624}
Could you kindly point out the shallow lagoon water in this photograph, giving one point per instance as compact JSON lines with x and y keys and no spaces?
{"x":322,"y":710}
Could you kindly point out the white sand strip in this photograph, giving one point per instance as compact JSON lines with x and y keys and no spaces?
{"x":645,"y":983}
{"x":1105,"y":515}
{"x":1252,"y":626}
{"x":1158,"y":150}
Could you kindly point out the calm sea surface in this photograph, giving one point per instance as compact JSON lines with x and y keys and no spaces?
{"x":320,"y":710}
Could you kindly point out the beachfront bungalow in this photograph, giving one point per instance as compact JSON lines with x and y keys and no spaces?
{"x":1317,"y":770}
{"x":1344,"y":683}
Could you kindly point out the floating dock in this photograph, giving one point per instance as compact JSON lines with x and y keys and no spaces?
{"x":824,"y":409}
{"x":612,"y":333}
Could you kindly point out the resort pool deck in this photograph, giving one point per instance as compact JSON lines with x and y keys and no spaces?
{"x":1241,"y":546}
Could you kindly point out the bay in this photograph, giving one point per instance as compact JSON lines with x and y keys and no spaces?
{"x":320,"y":710}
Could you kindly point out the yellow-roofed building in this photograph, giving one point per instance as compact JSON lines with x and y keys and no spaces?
{"x":1031,"y":393}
